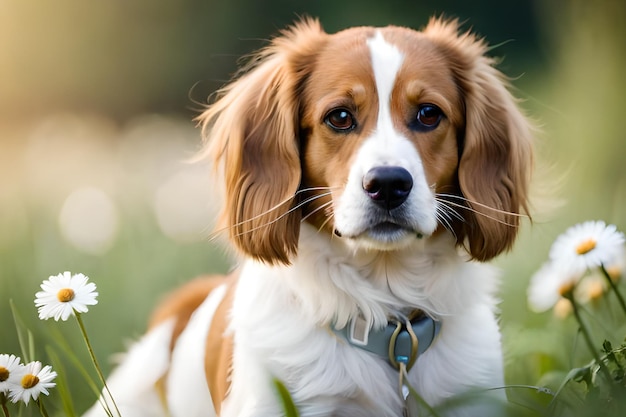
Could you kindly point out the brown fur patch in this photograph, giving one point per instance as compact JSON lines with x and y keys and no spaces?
{"x":219,"y":350}
{"x":181,"y":304}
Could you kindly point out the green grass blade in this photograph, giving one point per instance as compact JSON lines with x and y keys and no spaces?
{"x":27,"y":346}
{"x":62,"y":385}
{"x":288,"y":406}
{"x":64,"y":347}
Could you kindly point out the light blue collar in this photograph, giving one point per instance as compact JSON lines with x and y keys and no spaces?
{"x":400,"y":341}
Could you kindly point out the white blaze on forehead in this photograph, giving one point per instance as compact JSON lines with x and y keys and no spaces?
{"x":386,"y":62}
{"x":356,"y":215}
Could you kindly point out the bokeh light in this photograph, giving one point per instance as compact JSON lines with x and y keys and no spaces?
{"x":183,"y":206}
{"x":89,"y":220}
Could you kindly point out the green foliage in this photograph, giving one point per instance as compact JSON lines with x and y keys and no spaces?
{"x":584,"y":390}
{"x":285,"y":399}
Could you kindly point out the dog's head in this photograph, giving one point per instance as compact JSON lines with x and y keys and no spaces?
{"x":380,"y":136}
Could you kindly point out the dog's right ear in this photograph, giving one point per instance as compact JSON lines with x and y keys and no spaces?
{"x":496,"y":146}
{"x":251,"y":136}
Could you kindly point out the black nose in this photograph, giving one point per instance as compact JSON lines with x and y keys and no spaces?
{"x":387,"y":186}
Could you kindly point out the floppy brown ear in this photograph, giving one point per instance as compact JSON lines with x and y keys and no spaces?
{"x":251,"y":135}
{"x":495,"y":145}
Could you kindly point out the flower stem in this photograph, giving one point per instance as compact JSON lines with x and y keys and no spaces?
{"x":42,"y":409}
{"x":3,"y":402}
{"x":94,"y":360}
{"x":587,"y":337}
{"x":618,"y":294}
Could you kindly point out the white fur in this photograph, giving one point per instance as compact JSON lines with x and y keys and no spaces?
{"x":132,"y":383}
{"x":385,"y":147}
{"x":186,"y":378}
{"x":386,"y":62}
{"x":281,"y":319}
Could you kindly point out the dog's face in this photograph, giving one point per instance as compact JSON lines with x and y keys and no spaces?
{"x":380,"y":116}
{"x":380,"y":136}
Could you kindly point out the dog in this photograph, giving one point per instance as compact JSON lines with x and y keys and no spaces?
{"x":368,"y":176}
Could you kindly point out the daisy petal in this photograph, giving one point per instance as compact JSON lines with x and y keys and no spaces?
{"x":547,"y":284}
{"x":9,"y":369}
{"x":64,"y":294}
{"x":588,"y":245}
{"x":33,"y":380}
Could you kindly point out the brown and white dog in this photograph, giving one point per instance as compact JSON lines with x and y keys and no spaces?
{"x":368,"y":175}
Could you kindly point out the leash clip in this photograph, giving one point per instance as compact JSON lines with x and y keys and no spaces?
{"x":403,"y":345}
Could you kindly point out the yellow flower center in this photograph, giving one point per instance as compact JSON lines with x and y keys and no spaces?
{"x":562,"y":308}
{"x":586,"y":246}
{"x":4,"y":374}
{"x":29,"y":381}
{"x":65,"y":295}
{"x":567,"y":289}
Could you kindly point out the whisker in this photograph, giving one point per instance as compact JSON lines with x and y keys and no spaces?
{"x":448,"y":227}
{"x":323,"y":206}
{"x":442,"y":213}
{"x":326,"y":222}
{"x":476,"y":203}
{"x":450,"y":212}
{"x":214,"y":235}
{"x":483,"y":214}
{"x":306,"y":201}
{"x":444,"y":217}
{"x":282,"y":203}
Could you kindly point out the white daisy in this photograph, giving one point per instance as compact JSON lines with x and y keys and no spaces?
{"x":65,"y":294}
{"x":33,"y":380}
{"x":549,"y":284}
{"x":9,"y":366}
{"x":588,"y":245}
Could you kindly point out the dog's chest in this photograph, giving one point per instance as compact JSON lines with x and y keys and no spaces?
{"x":281,"y":321}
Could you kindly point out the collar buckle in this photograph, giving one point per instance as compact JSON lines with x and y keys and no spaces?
{"x":403,"y":345}
{"x":400,"y":342}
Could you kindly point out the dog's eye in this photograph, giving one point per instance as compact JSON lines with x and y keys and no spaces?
{"x":428,"y":117}
{"x":340,"y":120}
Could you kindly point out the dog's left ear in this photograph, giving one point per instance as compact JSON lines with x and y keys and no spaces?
{"x":495,"y":145}
{"x":251,"y":134}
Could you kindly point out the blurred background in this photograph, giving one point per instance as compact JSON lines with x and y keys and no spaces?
{"x":96,"y":106}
